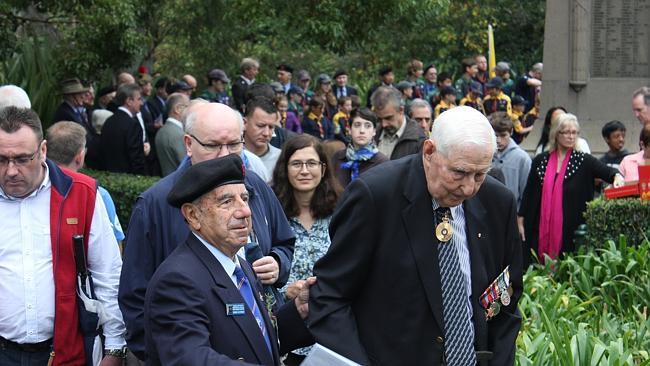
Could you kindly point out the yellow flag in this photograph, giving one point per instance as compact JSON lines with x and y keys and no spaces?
{"x":492,"y":60}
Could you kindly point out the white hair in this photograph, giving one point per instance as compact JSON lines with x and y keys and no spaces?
{"x":557,"y":125}
{"x":98,"y":119}
{"x":13,"y":96}
{"x":462,"y":126}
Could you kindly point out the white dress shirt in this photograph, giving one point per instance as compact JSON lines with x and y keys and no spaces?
{"x":26,"y":273}
{"x":229,"y":265}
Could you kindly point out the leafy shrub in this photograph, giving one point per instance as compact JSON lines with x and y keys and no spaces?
{"x":591,"y":308}
{"x":606,"y":219}
{"x":124,"y":188}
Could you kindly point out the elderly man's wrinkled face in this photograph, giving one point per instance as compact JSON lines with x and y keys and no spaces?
{"x":22,"y":157}
{"x":222,"y":217}
{"x":453,"y":179}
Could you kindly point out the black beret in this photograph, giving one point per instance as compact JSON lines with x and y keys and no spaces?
{"x":339,"y":73}
{"x":205,"y":176}
{"x":285,"y":67}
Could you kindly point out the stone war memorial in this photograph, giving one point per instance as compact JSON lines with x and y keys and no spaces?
{"x":596,"y":54}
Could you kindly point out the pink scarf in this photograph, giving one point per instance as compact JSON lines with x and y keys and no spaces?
{"x":550,"y":220}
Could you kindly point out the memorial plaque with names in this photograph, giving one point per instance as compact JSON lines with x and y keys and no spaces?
{"x":620,"y":43}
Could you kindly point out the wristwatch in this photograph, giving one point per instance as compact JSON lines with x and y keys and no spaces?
{"x":117,"y":352}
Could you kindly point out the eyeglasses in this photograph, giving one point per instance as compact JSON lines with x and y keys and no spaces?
{"x":568,"y":133}
{"x":297,"y":165}
{"x":19,"y":161}
{"x":231,"y":147}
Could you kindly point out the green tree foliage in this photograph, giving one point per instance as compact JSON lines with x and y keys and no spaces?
{"x":94,"y":38}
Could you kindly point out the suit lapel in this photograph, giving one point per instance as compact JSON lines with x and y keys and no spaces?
{"x":228,"y":293}
{"x":420,"y":236}
{"x":476,"y":231}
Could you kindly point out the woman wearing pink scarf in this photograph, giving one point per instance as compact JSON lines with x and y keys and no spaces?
{"x":559,"y":186}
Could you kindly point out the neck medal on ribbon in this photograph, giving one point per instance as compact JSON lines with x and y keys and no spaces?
{"x":444,"y":231}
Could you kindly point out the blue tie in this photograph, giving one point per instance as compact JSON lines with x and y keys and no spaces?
{"x":459,"y":346}
{"x":247,"y":293}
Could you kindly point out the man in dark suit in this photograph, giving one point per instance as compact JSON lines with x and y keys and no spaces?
{"x":122,"y":146}
{"x":157,"y":103}
{"x":414,"y":246}
{"x":249,"y":68}
{"x":341,"y":88}
{"x":204,"y":304}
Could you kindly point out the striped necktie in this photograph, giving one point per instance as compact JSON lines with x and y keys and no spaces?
{"x":247,"y":293}
{"x":459,"y":344}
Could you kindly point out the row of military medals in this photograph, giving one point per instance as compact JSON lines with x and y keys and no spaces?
{"x":497,"y":294}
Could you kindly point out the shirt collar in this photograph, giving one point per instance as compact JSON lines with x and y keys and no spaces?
{"x":247,"y":80}
{"x":123,"y":108}
{"x":228,"y":264}
{"x":175,"y":122}
{"x":44,"y":185}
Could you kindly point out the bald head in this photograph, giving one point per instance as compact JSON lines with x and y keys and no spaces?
{"x":462,"y":126}
{"x":12,"y":95}
{"x":190,"y":80}
{"x":212,"y":130}
{"x":125,"y":78}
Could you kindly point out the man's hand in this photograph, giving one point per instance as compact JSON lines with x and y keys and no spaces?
{"x":267,"y":270}
{"x":111,"y":361}
{"x":147,"y":148}
{"x":302,"y":300}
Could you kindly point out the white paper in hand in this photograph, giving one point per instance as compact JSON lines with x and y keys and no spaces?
{"x":323,"y":356}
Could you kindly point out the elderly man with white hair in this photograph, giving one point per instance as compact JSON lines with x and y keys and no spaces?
{"x":425,"y":265}
{"x":12,"y":95}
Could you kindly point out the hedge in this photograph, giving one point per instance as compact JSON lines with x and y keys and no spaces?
{"x":124,"y":188}
{"x":607,"y":219}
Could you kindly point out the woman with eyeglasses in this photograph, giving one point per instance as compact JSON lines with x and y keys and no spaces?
{"x":361,"y":153}
{"x":559,"y":186}
{"x":308,"y":192}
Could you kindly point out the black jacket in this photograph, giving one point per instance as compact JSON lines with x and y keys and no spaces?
{"x":378,"y":298}
{"x":577,"y":190}
{"x":121,"y":146}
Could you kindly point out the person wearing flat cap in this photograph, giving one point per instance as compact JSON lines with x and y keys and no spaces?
{"x":341,"y":89}
{"x":204,"y":305}
{"x":284,"y":76}
{"x":217,"y":88}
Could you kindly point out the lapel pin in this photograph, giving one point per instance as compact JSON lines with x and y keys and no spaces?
{"x":479,"y":235}
{"x":72,"y":221}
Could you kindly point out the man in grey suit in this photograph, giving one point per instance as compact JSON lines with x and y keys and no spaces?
{"x":169,"y":140}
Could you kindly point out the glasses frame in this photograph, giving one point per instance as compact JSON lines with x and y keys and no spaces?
{"x":28,"y":159}
{"x":231,"y":147}
{"x":293,"y":165}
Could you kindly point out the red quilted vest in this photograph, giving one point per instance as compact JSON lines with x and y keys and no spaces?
{"x":72,"y":204}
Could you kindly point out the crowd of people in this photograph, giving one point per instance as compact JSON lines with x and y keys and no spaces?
{"x":288,"y":215}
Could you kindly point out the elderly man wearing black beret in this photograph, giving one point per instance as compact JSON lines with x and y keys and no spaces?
{"x":203,"y":305}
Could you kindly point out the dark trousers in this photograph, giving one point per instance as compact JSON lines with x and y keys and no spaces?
{"x":10,"y":356}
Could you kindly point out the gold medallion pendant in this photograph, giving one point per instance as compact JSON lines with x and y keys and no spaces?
{"x":444,"y":231}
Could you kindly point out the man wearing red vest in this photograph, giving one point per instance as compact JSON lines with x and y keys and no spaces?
{"x":41,"y":207}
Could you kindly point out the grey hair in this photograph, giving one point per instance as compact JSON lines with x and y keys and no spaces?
{"x":174,"y":100}
{"x":12,"y":95}
{"x":189,"y":118}
{"x":384,"y":96}
{"x":462,"y":126}
{"x":645,"y":91}
{"x":420,"y":103}
{"x":538,"y":67}
{"x":248,"y":63}
{"x":98,"y":119}
{"x":126,"y":91}
{"x":563,"y":120}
